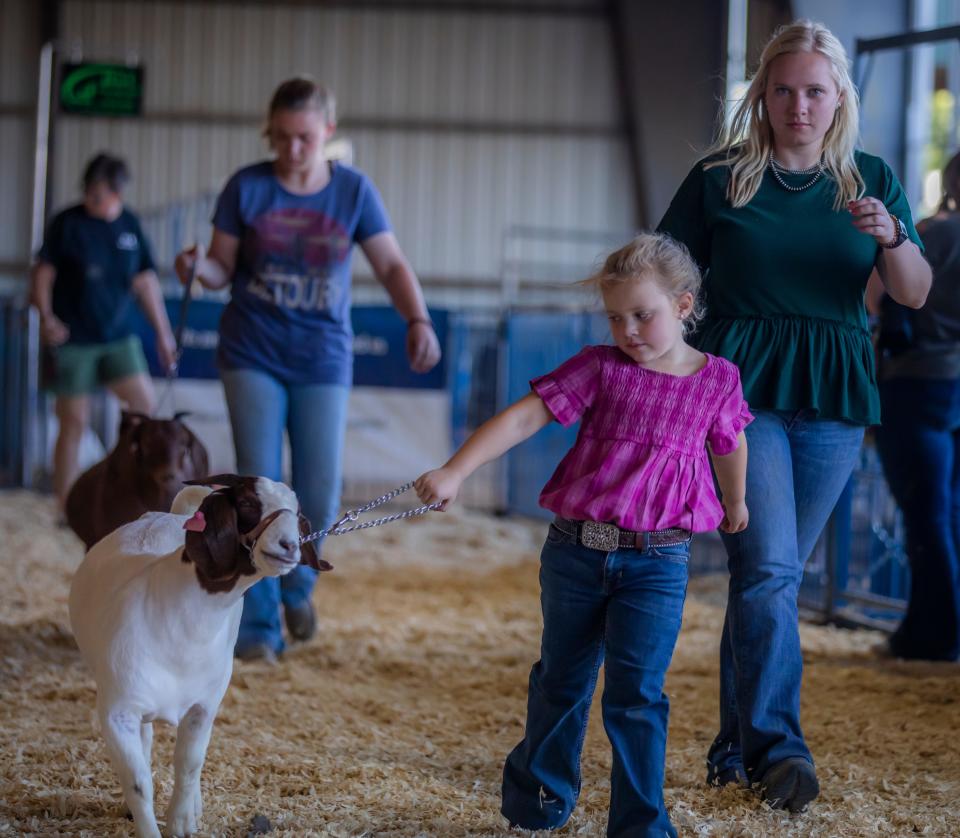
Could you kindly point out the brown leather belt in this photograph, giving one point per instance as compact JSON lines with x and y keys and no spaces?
{"x":608,"y":537}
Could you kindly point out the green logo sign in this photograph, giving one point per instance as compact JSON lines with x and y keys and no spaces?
{"x":101,"y":89}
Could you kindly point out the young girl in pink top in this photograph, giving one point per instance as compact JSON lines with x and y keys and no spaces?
{"x":627,"y":497}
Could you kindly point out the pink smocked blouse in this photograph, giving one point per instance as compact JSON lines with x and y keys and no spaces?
{"x":640,"y":459}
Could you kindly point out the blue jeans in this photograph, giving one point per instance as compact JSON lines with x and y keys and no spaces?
{"x":623,"y":608}
{"x":919,"y":445}
{"x":315,"y":418}
{"x":797,"y":468}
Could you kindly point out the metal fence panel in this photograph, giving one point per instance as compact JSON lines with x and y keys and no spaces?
{"x":534,"y":344}
{"x":19,"y":423}
{"x":858,"y":571}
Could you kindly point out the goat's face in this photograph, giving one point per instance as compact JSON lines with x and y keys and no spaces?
{"x":274,"y":541}
{"x":165,"y":454}
{"x":250,"y":525}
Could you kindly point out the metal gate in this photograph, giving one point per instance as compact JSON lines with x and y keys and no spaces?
{"x":20,"y":426}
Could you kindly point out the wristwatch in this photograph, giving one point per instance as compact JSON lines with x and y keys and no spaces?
{"x":901,"y":234}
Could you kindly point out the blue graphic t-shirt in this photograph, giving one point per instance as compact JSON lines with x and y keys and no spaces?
{"x":289,"y":312}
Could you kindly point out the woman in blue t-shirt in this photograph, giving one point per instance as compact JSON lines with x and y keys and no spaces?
{"x":283,"y":234}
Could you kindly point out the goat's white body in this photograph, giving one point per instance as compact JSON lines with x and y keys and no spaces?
{"x":153,"y":637}
{"x":161,"y":646}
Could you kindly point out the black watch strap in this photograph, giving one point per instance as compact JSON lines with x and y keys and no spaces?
{"x":901,"y":236}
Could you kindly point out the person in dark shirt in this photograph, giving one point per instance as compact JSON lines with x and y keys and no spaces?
{"x":919,"y":440}
{"x":94,"y":262}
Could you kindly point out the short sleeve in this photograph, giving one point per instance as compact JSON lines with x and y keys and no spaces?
{"x":146,"y":253}
{"x":732,"y":417}
{"x":895,"y":200}
{"x":685,"y":219}
{"x":571,"y":388}
{"x":372,"y":217}
{"x":50,"y":250}
{"x":226,"y":215}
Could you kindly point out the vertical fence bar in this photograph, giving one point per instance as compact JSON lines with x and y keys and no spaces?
{"x":34,"y":436}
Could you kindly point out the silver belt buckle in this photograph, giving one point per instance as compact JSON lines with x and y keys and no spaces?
{"x":599,"y":536}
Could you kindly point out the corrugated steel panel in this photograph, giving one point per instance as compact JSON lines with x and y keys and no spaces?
{"x":218,"y":59}
{"x":19,"y":57}
{"x":450,"y":197}
{"x":16,"y":174}
{"x":19,"y":42}
{"x":452,"y":191}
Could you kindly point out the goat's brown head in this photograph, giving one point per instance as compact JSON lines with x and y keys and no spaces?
{"x":246,"y":526}
{"x":165,"y":454}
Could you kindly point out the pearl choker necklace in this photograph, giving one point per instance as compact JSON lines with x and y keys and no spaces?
{"x":779,"y":171}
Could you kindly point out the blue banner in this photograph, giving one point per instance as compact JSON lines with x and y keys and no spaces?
{"x":380,"y":357}
{"x":380,"y":354}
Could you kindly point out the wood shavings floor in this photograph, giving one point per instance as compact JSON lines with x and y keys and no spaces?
{"x":395,"y":719}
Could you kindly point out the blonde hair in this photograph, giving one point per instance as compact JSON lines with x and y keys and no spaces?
{"x":302,"y":93}
{"x":658,"y":257}
{"x":746,"y":143}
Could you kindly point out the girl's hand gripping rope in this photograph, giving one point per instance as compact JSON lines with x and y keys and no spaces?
{"x":442,"y":485}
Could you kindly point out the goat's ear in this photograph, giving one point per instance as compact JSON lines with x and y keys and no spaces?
{"x":231,"y":481}
{"x":215,"y":549}
{"x":308,"y":552}
{"x":130,"y":420}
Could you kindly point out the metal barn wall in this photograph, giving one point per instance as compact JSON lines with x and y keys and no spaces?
{"x":468,"y":121}
{"x":19,"y":51}
{"x":883,"y":108}
{"x":673,"y":55}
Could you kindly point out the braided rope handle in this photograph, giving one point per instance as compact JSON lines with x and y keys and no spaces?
{"x":353,"y":514}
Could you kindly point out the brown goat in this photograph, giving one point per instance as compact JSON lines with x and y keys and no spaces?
{"x":143,"y":473}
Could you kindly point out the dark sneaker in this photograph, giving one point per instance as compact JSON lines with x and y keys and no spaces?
{"x":301,"y":621}
{"x":790,"y":784}
{"x":727,"y":776}
{"x":257,"y":652}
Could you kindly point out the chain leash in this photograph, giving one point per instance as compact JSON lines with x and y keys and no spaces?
{"x":352,"y":515}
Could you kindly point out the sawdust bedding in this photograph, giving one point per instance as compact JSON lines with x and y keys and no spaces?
{"x":395,"y":720}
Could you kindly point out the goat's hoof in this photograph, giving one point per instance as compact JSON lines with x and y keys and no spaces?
{"x":182,"y":821}
{"x":258,"y":652}
{"x":149,"y":830}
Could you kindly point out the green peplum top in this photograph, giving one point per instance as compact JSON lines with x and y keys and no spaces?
{"x":784,"y":279}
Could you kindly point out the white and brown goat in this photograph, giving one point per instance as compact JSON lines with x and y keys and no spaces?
{"x":155,"y":608}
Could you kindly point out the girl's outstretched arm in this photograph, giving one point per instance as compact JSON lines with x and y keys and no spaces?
{"x":731,"y":471}
{"x":494,"y":437}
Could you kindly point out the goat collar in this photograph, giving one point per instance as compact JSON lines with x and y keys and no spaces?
{"x":249,"y":539}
